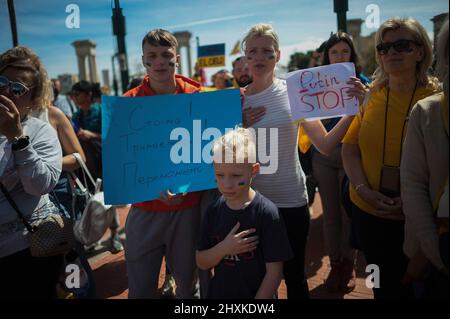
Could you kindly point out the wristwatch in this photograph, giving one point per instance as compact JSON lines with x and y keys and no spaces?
{"x":20,"y":142}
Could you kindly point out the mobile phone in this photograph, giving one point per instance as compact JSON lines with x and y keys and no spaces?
{"x":390,"y":181}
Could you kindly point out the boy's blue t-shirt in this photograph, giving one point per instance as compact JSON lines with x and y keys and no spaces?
{"x":241,"y":275}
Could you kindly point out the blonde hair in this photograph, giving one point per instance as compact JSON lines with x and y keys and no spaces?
{"x":25,"y":59}
{"x":236,"y":146}
{"x":420,"y":36}
{"x":261,"y":30}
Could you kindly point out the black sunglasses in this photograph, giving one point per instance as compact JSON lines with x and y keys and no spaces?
{"x":402,"y":45}
{"x":17,"y":89}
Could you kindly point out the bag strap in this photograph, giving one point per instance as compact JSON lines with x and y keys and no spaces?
{"x":30,"y":228}
{"x":78,"y":182}
{"x":60,"y":206}
{"x":57,"y":200}
{"x":84,"y":168}
{"x":80,"y":185}
{"x":74,"y":180}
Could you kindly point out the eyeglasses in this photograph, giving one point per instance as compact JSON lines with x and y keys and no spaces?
{"x":402,"y":45}
{"x":18,"y":89}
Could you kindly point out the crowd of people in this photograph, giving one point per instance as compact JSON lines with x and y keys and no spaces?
{"x":382,"y":175}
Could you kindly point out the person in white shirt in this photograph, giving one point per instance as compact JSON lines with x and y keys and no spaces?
{"x":266,"y":105}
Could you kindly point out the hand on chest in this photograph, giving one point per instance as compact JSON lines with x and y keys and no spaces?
{"x":240,"y":240}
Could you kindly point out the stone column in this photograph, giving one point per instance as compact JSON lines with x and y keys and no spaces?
{"x":184,"y":39}
{"x":92,"y":69}
{"x":105,"y":78}
{"x":189,"y":61}
{"x":86,"y":49}
{"x":82,"y":67}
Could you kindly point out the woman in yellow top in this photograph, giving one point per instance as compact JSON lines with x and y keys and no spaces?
{"x":373,"y":145}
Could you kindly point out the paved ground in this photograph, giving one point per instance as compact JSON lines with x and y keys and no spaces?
{"x":111,"y":276}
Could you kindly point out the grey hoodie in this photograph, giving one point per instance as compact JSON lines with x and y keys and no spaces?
{"x":28,"y":175}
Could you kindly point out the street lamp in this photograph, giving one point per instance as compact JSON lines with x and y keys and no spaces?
{"x":341,"y":8}
{"x":12,"y":21}
{"x":115,"y":86}
{"x":118,"y":22}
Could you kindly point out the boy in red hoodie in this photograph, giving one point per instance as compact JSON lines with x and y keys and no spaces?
{"x":169,"y":225}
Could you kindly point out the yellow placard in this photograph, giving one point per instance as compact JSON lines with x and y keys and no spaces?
{"x":211,"y":61}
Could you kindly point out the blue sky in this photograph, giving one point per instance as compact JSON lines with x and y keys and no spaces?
{"x":301,"y":24}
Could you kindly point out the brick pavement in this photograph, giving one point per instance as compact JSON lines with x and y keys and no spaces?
{"x":111,"y":277}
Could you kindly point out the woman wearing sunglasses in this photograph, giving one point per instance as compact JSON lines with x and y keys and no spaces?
{"x":372,"y":149}
{"x":30,"y":165}
{"x":266,"y":105}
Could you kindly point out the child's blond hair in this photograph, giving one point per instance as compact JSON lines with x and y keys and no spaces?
{"x":236,"y":146}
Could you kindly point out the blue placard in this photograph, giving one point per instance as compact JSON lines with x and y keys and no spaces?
{"x":211,"y":50}
{"x":140,"y":159}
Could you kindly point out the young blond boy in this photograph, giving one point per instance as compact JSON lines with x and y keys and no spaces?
{"x":243,"y":237}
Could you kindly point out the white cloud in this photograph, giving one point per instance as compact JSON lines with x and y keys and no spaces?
{"x":303,"y":46}
{"x":411,"y":10}
{"x":207,"y":21}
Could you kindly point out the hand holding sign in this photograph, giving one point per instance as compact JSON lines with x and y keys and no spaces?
{"x":171,"y":199}
{"x":358,"y":90}
{"x":324,"y":92}
{"x":163,"y":142}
